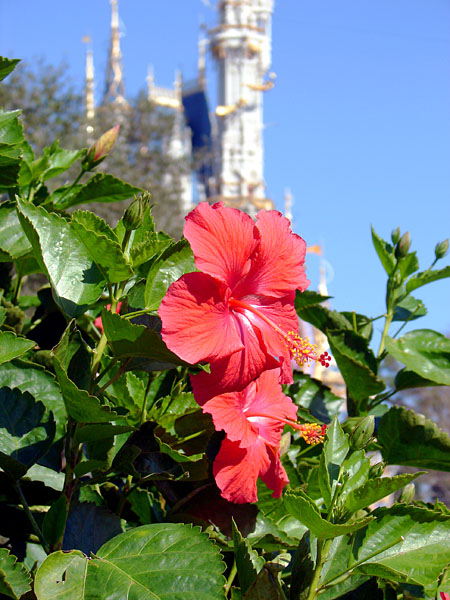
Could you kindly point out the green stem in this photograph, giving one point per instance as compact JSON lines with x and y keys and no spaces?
{"x":74,"y":183}
{"x":114,"y":377}
{"x":123,"y":498}
{"x":31,"y":518}
{"x":138,"y":313}
{"x":103,"y":373}
{"x":143,"y":415}
{"x":387,"y":324}
{"x":408,"y":319}
{"x":98,"y":353}
{"x":231,"y":577}
{"x":18,"y":285}
{"x":323,"y":547}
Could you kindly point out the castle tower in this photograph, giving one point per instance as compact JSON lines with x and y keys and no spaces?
{"x":89,"y":90}
{"x":115,"y":88}
{"x":241,"y":46}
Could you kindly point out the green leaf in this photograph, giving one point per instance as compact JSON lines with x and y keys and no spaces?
{"x":385,"y":253}
{"x":149,"y":247}
{"x":426,"y":277}
{"x":248,"y":562}
{"x":59,"y":160}
{"x":310,"y":393}
{"x":152,"y":562}
{"x":408,"y":265}
{"x":376,"y":489}
{"x":11,"y":139}
{"x":425,"y":352}
{"x":409,"y":439}
{"x":27,"y":431}
{"x":145,"y":506}
{"x":335,"y":449}
{"x":76,"y":280}
{"x":355,"y":472}
{"x":303,"y":508}
{"x":12,"y":346}
{"x":13,"y":240}
{"x":41,"y":384}
{"x":128,"y":340}
{"x":356,"y":362}
{"x":324,"y":319}
{"x":361,"y":323}
{"x":267,"y":585}
{"x":406,"y":379}
{"x":104,"y":250}
{"x":408,"y":309}
{"x":338,"y":558}
{"x":15,"y":580}
{"x":7,"y":65}
{"x":308,"y":298}
{"x":418,"y":559}
{"x":55,"y":521}
{"x":47,"y":476}
{"x":100,"y":188}
{"x":80,"y":405}
{"x":170,"y":266}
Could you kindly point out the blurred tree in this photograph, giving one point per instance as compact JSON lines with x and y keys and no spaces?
{"x":52,"y":107}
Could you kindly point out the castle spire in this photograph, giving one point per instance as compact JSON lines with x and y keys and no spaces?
{"x":241,"y":46}
{"x":115,"y":88}
{"x":89,"y":89}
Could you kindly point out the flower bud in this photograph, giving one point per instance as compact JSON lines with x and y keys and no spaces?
{"x":377,"y":470}
{"x":402,"y":247}
{"x":395,"y":235}
{"x":441,"y":249}
{"x":362,"y":433}
{"x":408,"y":493}
{"x":134,"y":215}
{"x":100,"y":149}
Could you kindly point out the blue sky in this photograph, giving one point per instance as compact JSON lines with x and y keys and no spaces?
{"x":357,"y":125}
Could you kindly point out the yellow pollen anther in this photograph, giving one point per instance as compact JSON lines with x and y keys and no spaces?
{"x":302,"y":351}
{"x":312,"y":433}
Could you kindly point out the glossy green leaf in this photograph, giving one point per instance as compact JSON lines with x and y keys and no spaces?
{"x":418,"y":559}
{"x":27,"y":431}
{"x":15,"y":580}
{"x":376,"y":489}
{"x":101,"y":246}
{"x":248,"y":562}
{"x":127,"y":340}
{"x":385,"y":252}
{"x":310,"y":393}
{"x":361,"y":323}
{"x":152,"y":562}
{"x":32,"y":378}
{"x":7,"y":65}
{"x":11,"y":138}
{"x":408,"y":265}
{"x":13,"y":240}
{"x":151,"y":245}
{"x":50,"y":478}
{"x":13,"y":346}
{"x":303,"y":508}
{"x":338,"y":558}
{"x":324,"y":318}
{"x":335,"y":449}
{"x":308,"y":298}
{"x":80,"y":405}
{"x":176,"y":260}
{"x":267,"y":584}
{"x":426,"y":277}
{"x":355,"y":472}
{"x":59,"y":160}
{"x":409,"y":439}
{"x":99,"y":431}
{"x":76,"y":281}
{"x":100,"y":188}
{"x":406,"y":379}
{"x":356,"y":362}
{"x":424,"y":351}
{"x":408,"y":309}
{"x":89,"y":527}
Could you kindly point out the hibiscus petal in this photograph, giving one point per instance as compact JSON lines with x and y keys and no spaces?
{"x":235,"y":372}
{"x":277,"y":266}
{"x":222,"y":240}
{"x":227,"y":411}
{"x":196,"y":322}
{"x":275,"y":477}
{"x":236,"y":470}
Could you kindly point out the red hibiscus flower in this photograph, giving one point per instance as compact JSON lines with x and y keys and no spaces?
{"x":253,"y":421}
{"x":238,"y":313}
